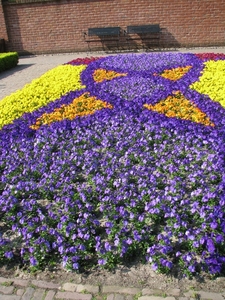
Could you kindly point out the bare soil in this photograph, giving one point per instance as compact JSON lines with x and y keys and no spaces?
{"x":135,"y":274}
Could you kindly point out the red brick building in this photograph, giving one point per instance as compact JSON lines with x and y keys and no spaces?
{"x":51,"y":26}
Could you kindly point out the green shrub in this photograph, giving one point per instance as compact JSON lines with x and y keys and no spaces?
{"x":8,"y":60}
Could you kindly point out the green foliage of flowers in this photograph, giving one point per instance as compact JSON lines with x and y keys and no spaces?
{"x":212,"y":81}
{"x":50,"y":86}
{"x":8,"y":60}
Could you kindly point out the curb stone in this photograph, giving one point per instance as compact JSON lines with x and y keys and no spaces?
{"x":21,"y":282}
{"x":155,"y":298}
{"x":205,"y":295}
{"x":69,"y":287}
{"x":89,"y":288}
{"x":73,"y":287}
{"x":45,"y":285}
{"x":173,"y":292}
{"x":7,"y":290}
{"x":147,"y":291}
{"x":73,"y":296}
{"x":119,"y":289}
{"x":17,"y":289}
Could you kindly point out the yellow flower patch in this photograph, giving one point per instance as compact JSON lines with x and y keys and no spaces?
{"x":212,"y":81}
{"x":47,"y":88}
{"x":81,"y":106}
{"x":102,"y":74}
{"x":176,"y":73}
{"x":179,"y":107}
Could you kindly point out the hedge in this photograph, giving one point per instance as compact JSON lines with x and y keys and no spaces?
{"x":8,"y":60}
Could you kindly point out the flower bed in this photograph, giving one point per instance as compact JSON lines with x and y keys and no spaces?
{"x":104,"y":160}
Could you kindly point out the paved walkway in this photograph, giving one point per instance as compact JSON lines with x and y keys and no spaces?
{"x":28,"y":69}
{"x":31,"y":67}
{"x":22,"y":289}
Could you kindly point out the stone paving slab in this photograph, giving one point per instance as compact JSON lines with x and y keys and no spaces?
{"x":69,"y":287}
{"x":73,"y":296}
{"x":43,"y":290}
{"x":155,"y":298}
{"x":50,"y":295}
{"x":119,"y":297}
{"x":21,"y":282}
{"x":44,"y":284}
{"x":4,"y":280}
{"x":9,"y":297}
{"x":204,"y":295}
{"x":89,"y":288}
{"x":6,"y":289}
{"x":173,"y":292}
{"x":122,"y":290}
{"x":38,"y":294}
{"x":28,"y":294}
{"x":147,"y":291}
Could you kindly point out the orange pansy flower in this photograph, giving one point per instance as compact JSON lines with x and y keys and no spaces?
{"x":81,"y":106}
{"x":175,"y":73}
{"x":100,"y":75}
{"x":178,"y":106}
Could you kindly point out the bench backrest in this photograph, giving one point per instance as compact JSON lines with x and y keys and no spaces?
{"x":104,"y":31}
{"x":141,"y":29}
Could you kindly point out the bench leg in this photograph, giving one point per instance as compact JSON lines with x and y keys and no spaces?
{"x":103,"y":46}
{"x":89,"y":49}
{"x":128,"y":43}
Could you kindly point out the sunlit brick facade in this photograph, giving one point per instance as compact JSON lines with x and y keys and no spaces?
{"x":35,"y":26}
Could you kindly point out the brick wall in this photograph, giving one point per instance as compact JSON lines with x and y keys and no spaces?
{"x":35,"y":26}
{"x":3,"y":31}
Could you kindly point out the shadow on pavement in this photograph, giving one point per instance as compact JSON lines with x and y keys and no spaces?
{"x":16,"y":69}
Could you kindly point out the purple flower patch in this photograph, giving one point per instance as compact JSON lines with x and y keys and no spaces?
{"x":121,"y":183}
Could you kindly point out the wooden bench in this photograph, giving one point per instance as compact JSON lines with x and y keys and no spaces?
{"x":103,"y":35}
{"x":147,"y":34}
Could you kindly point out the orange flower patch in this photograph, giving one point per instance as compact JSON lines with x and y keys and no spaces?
{"x":101,"y":75}
{"x":176,"y":73}
{"x":81,"y":106}
{"x":179,"y":107}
